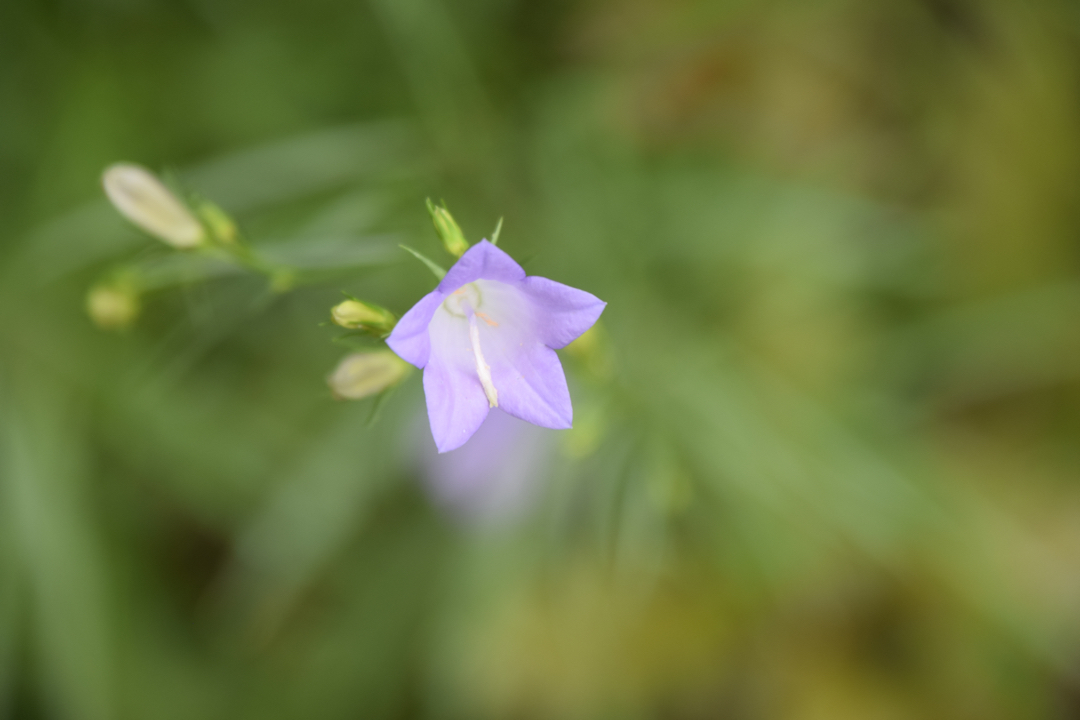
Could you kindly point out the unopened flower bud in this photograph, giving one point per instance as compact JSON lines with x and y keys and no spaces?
{"x":112,"y":307}
{"x":356,"y":315}
{"x":453,"y":239}
{"x":363,"y":374}
{"x":145,"y":201}
{"x":222,"y":227}
{"x":282,"y":280}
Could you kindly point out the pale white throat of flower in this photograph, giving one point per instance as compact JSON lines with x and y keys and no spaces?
{"x":465,"y":303}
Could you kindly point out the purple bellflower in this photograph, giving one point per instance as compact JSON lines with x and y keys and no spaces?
{"x":486,"y":337}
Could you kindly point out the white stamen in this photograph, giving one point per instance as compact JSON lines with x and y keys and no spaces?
{"x":482,"y":368}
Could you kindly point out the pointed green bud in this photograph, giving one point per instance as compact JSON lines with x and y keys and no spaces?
{"x":221,"y":226}
{"x":113,"y":306}
{"x":356,"y":315}
{"x":146,"y":202}
{"x":364,"y":374}
{"x":453,"y":239}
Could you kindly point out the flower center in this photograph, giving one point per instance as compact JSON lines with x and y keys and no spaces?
{"x":466,"y":296}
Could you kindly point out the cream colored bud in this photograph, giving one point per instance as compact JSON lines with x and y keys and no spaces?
{"x":363,"y":374}
{"x":112,"y":307}
{"x":356,"y":315}
{"x":146,"y":202}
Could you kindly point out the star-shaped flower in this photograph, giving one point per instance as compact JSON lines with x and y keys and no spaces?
{"x":486,"y":337}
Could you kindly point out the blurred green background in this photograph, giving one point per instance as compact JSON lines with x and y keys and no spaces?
{"x":825,"y":457}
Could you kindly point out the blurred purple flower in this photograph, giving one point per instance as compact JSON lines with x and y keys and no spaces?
{"x":494,"y":479}
{"x":486,"y":337}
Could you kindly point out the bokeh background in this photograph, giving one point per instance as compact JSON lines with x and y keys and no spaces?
{"x":825,"y":456}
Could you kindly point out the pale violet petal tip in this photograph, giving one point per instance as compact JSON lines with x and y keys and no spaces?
{"x":564,"y":312}
{"x":456,"y":405}
{"x":532,"y":387}
{"x":482,"y":261}
{"x":409,"y":338}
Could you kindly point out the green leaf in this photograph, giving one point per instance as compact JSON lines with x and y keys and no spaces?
{"x":50,"y":522}
{"x":432,"y":266}
{"x":495,"y":235}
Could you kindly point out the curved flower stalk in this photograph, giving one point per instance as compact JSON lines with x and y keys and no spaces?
{"x":486,"y":337}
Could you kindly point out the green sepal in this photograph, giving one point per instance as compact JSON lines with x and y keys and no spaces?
{"x":432,"y":266}
{"x":377,"y":406}
{"x":495,"y":235}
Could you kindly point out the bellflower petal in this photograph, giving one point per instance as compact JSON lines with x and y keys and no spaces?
{"x":569,"y":311}
{"x":456,"y":407}
{"x":486,"y":337}
{"x":410,"y":336}
{"x":532,"y":387}
{"x":455,"y":399}
{"x":482,"y":261}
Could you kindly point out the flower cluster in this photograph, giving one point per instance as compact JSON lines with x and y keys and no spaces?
{"x":485,"y":337}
